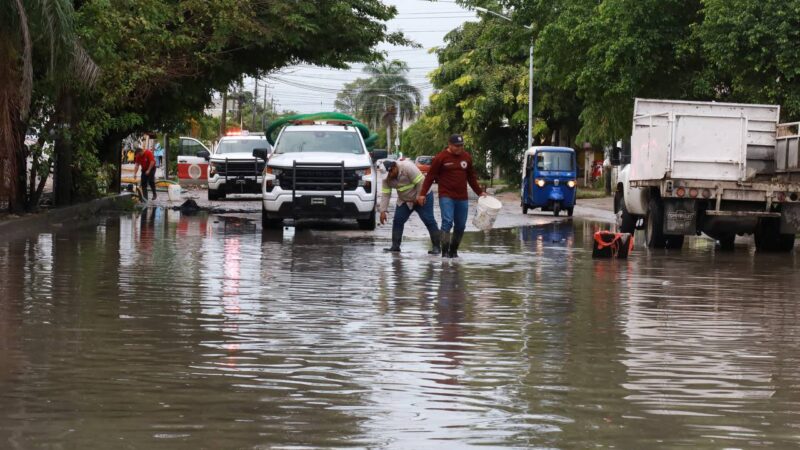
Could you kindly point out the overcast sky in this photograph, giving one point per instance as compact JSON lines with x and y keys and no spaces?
{"x":308,"y":89}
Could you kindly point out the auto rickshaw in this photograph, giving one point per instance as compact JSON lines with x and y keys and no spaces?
{"x":549,"y":179}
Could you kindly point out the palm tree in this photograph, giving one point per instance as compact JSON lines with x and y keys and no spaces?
{"x":387,"y":89}
{"x":51,"y":22}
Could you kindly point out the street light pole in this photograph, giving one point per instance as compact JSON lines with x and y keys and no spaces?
{"x":530,"y":98}
{"x":530,"y":72}
{"x":397,"y":123}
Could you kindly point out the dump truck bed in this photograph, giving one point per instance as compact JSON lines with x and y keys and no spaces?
{"x":702,"y":140}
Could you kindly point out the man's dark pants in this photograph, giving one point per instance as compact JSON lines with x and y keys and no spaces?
{"x":403,"y":213}
{"x":149,"y":180}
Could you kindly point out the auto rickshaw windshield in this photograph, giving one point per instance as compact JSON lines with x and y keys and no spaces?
{"x":555,"y":161}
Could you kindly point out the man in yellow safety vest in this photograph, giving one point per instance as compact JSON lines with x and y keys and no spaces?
{"x":405,"y":177}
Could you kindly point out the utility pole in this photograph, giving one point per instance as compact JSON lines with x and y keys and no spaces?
{"x":223,"y":125}
{"x":264,"y":110}
{"x":255,"y":103}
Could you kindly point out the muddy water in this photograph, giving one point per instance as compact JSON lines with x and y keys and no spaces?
{"x":162,"y":331}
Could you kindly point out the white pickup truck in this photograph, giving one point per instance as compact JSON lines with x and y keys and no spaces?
{"x":721,"y":169}
{"x":319,"y":171}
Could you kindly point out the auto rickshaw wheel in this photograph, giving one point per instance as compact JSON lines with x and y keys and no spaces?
{"x":524,"y":210}
{"x":569,"y":211}
{"x":556,"y":209}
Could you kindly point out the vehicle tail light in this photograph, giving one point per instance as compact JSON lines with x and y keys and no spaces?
{"x":693,"y":193}
{"x":706,"y":193}
{"x":680,"y":192}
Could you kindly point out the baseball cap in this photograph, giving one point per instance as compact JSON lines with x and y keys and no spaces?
{"x":388,"y":164}
{"x":456,"y":139}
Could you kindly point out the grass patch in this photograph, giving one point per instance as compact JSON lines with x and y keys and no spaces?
{"x":586,"y":193}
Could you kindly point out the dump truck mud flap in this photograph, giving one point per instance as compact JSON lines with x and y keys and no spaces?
{"x":680,"y":217}
{"x":790,"y":219}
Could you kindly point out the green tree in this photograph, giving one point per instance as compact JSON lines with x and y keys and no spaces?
{"x":751,"y":52}
{"x":347,"y":99}
{"x":39,"y":54}
{"x":387,"y":89}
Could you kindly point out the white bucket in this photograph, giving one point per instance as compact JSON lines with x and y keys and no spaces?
{"x":486,"y":212}
{"x":174,"y":192}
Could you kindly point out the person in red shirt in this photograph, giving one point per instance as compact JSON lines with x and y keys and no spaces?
{"x":452,"y":168}
{"x":146,"y":160}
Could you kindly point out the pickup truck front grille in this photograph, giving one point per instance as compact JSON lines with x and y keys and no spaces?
{"x":240,"y":168}
{"x":319,"y":179}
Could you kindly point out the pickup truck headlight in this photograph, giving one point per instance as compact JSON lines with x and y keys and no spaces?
{"x":365,"y":178}
{"x":271,"y":175}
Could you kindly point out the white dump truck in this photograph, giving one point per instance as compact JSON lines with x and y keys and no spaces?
{"x":722,"y":169}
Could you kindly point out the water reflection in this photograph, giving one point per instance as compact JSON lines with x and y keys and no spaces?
{"x":166,"y":330}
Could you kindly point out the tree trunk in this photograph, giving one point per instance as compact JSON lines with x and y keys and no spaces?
{"x":64,"y":152}
{"x":19,"y":202}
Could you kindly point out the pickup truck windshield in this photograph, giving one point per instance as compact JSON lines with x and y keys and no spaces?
{"x":319,"y":141}
{"x":240,"y":146}
{"x":558,"y":161}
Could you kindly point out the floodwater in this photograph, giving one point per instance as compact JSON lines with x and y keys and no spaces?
{"x":158,"y":330}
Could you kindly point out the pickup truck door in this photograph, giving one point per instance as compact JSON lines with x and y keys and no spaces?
{"x":191,"y":168}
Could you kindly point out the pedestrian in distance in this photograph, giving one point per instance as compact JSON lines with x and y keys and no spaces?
{"x":452,"y":168}
{"x":146,"y":160}
{"x":159,"y":154}
{"x":405,"y":177}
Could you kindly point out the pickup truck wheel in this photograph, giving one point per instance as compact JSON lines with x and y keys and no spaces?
{"x":267,"y":222}
{"x":368,"y":224}
{"x":654,"y":228}
{"x":626,"y":223}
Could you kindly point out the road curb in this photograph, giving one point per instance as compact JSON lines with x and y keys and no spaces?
{"x":58,"y":218}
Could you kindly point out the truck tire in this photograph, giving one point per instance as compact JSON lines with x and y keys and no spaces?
{"x":267,"y":222}
{"x":674,"y":241}
{"x":726,"y":242}
{"x":654,"y":228}
{"x":368,"y":224}
{"x":768,"y":237}
{"x":626,"y":223}
{"x":214,"y":194}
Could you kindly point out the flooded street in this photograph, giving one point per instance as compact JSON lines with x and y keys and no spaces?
{"x":158,"y":330}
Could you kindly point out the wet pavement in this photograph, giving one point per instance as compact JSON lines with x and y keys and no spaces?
{"x":157,"y":330}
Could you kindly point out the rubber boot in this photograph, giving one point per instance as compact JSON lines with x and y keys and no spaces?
{"x":445,"y":243}
{"x":435,"y":243}
{"x":454,"y":243}
{"x":396,"y":240}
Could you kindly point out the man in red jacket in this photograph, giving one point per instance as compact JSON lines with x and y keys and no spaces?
{"x":452,"y":169}
{"x":146,"y":160}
